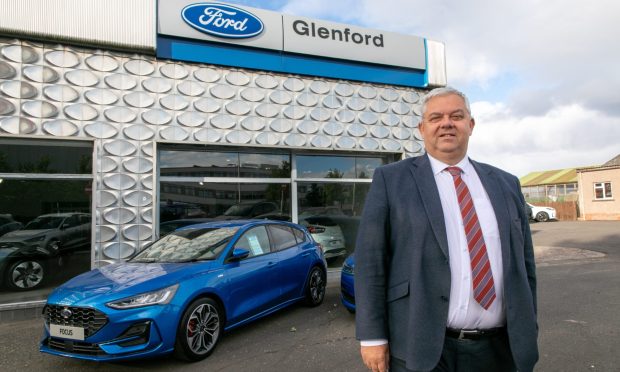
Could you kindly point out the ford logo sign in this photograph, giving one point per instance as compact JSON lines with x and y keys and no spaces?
{"x":66,"y":313}
{"x":222,"y":20}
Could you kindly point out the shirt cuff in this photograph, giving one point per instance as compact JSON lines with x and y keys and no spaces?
{"x":377,"y":342}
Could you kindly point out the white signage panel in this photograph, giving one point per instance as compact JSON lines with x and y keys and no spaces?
{"x":336,"y":40}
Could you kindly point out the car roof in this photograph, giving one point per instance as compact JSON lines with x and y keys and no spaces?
{"x":240,"y":223}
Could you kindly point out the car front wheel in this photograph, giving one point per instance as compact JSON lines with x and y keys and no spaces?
{"x":315,"y":288}
{"x":199,"y":330}
{"x":25,"y":275}
{"x":542,"y":217}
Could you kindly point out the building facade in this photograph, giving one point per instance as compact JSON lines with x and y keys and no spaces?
{"x":114,"y":124}
{"x":598,"y":189}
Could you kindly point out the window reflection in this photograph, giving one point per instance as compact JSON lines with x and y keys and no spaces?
{"x":320,"y":166}
{"x":223,"y":201}
{"x":33,"y":156}
{"x":223,"y":164}
{"x":45,"y":235}
{"x":331,"y":212}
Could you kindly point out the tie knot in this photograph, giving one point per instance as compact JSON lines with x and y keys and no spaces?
{"x":454,"y":171}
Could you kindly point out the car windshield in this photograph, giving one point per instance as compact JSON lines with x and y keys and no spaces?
{"x":238,"y":210}
{"x":187,"y":245}
{"x":47,"y":222}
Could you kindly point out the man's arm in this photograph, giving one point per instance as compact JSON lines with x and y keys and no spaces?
{"x":371,"y":275}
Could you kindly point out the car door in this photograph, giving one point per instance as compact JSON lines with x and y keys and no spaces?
{"x":294,"y":260}
{"x":250,"y":282}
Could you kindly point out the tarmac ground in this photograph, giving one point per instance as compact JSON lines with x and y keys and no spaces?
{"x":578,"y":273}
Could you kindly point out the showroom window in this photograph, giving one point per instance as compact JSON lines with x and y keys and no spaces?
{"x":45,"y":215}
{"x":323,"y":192}
{"x":602,"y":191}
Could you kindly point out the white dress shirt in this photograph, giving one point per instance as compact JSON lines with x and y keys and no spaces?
{"x":463,"y":311}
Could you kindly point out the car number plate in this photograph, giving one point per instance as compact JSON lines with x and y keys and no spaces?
{"x":73,"y":333}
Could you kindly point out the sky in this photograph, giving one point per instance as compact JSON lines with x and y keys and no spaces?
{"x":542,"y":76}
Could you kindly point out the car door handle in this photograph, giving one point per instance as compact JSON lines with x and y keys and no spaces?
{"x":305,"y":254}
{"x":271,"y":263}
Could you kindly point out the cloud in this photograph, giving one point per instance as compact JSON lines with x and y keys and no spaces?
{"x":564,"y":137}
{"x":543,"y":76}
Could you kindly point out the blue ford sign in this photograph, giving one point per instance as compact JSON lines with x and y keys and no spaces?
{"x":222,"y":20}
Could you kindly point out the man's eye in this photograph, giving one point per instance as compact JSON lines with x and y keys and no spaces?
{"x":434,"y":119}
{"x":457,"y":117}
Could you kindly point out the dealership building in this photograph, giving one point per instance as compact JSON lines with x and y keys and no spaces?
{"x":120,"y":118}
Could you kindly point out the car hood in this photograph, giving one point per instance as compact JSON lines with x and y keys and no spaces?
{"x":122,"y":280}
{"x":19,"y":235}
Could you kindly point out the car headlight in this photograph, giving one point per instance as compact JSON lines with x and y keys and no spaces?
{"x":163,"y":296}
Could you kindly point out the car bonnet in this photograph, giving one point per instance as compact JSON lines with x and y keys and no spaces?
{"x":122,"y":280}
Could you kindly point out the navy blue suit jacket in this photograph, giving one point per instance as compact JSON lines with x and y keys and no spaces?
{"x":402,"y":269}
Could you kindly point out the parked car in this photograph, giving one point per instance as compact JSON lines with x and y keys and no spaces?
{"x":542,"y":214}
{"x":180,"y":294}
{"x":347,"y":290}
{"x":29,"y":255}
{"x":325,"y":230}
{"x":8,"y":224}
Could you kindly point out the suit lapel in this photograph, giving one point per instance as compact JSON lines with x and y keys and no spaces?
{"x":424,"y":178}
{"x":493,"y":187}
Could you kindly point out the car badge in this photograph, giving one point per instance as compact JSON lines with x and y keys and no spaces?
{"x":66,"y":313}
{"x":222,"y":20}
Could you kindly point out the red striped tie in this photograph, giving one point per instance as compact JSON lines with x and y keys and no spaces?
{"x":484,"y":289}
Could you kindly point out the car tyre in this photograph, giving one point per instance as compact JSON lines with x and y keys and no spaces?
{"x":542,"y":217}
{"x":315,"y":288}
{"x":199,"y":331}
{"x":26,"y":274}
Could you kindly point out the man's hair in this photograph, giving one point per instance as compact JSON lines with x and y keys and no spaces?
{"x":443,"y":91}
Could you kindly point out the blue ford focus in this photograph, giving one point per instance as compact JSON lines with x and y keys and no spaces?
{"x":180,"y":294}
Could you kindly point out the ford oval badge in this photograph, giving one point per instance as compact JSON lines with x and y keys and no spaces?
{"x":222,"y":20}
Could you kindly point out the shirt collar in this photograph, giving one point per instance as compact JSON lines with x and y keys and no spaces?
{"x":439,"y":166}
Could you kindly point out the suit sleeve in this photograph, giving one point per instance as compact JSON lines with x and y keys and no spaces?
{"x":371,"y":262}
{"x":528,"y":247}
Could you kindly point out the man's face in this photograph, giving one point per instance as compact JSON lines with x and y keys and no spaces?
{"x":446,"y":127}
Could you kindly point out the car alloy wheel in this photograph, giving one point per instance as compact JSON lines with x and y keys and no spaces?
{"x":26,"y":275}
{"x":542,"y":217}
{"x":315,"y":289}
{"x":199,"y":330}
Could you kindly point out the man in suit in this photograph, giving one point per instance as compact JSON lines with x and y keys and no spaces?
{"x":445,"y":274}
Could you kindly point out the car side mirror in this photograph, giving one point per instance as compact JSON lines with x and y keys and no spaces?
{"x":239,"y":254}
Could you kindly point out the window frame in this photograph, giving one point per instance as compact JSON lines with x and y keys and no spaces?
{"x":602,"y":186}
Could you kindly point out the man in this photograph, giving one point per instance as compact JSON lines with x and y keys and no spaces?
{"x":445,"y":275}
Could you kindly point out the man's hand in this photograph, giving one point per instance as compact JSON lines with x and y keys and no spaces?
{"x":376,"y":358}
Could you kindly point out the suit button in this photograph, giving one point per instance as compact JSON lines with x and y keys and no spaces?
{"x":444,"y":298}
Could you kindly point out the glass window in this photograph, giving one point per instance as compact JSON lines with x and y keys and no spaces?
{"x":224,"y":201}
{"x":331,"y":214}
{"x":316,"y":166}
{"x":602,"y":190}
{"x":198,"y":164}
{"x":283,"y":237}
{"x":321,"y":166}
{"x":264,"y":166}
{"x":45,"y":235}
{"x":299,"y":235}
{"x":50,"y":157}
{"x":187,"y":245}
{"x":255,"y":240}
{"x":223,"y":164}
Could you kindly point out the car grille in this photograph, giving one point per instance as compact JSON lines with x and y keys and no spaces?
{"x":74,"y":347}
{"x":90,"y":319}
